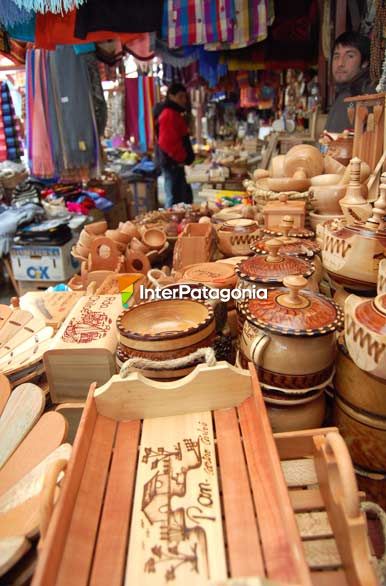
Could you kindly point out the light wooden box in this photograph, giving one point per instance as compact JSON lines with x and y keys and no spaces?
{"x":83,"y":350}
{"x":275,"y":211}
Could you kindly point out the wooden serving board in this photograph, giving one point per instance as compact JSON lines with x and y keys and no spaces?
{"x":176,"y":530}
{"x":53,"y":307}
{"x":48,"y":434}
{"x":26,"y":352}
{"x":23,"y":409}
{"x":12,"y":550}
{"x":34,"y":326}
{"x":14,"y":323}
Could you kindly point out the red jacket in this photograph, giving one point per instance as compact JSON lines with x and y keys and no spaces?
{"x":172,"y":131}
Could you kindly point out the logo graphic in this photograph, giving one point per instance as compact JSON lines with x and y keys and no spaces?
{"x":126,"y":288}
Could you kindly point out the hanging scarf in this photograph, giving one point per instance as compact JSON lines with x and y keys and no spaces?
{"x":42,"y":161}
{"x":11,"y":14}
{"x":131,"y":109}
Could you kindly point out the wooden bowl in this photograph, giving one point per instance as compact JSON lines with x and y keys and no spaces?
{"x":138,"y":246}
{"x":288,"y":184}
{"x":156,"y":326}
{"x":326,"y":179}
{"x":303,"y":157}
{"x":97,"y":228}
{"x":154,"y":238}
{"x":85,"y":239}
{"x":130,"y":229}
{"x":326,"y":198}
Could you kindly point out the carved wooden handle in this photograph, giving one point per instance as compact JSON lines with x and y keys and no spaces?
{"x":48,"y":495}
{"x":273,"y":246}
{"x":294,"y":284}
{"x":336,"y":445}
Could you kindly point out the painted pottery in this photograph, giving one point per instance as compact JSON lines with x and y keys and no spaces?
{"x":357,"y":387}
{"x":305,"y":159}
{"x":294,"y":415}
{"x":381,"y":285}
{"x":292,"y":246}
{"x":272,"y":268}
{"x":365,"y":333}
{"x":364,"y":434}
{"x":341,"y":149}
{"x":351,"y":254}
{"x":276,"y":230}
{"x":235,"y":236}
{"x":291,"y":336}
{"x":354,"y":206}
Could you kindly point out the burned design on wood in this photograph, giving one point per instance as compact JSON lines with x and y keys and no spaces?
{"x":181,"y":543}
{"x":336,"y":246}
{"x":92,"y":323}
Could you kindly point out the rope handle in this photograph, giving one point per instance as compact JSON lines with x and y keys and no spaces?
{"x":48,"y":496}
{"x":369,"y":506}
{"x":203,"y":354}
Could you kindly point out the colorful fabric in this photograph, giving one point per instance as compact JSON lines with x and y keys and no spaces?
{"x":172,"y":132}
{"x":11,"y":14}
{"x":251,"y":25}
{"x":23,"y":31}
{"x":141,"y":116}
{"x":131,"y":109}
{"x":56,"y":6}
{"x":196,"y":22}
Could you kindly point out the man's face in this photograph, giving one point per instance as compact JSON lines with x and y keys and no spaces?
{"x":180,"y":98}
{"x":346,"y":63}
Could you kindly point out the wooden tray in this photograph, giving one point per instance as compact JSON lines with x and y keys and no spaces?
{"x":182,"y":482}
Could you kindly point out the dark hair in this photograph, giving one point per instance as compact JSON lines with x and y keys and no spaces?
{"x":353,"y":39}
{"x":176,"y":88}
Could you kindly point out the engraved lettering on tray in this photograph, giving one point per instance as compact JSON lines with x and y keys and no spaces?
{"x":87,"y":328}
{"x":176,"y":515}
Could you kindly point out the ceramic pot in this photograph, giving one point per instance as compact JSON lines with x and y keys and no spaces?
{"x":381,"y":284}
{"x":154,"y":238}
{"x":341,"y":148}
{"x":291,"y":336}
{"x":357,"y":387}
{"x":305,"y":158}
{"x":289,"y":415}
{"x":297,"y":232}
{"x":364,"y":434}
{"x":301,"y":247}
{"x":351,"y":254}
{"x":365,"y":333}
{"x":235,"y":236}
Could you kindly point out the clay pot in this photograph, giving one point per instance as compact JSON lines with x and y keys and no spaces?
{"x":303,"y":158}
{"x":154,"y":238}
{"x":138,"y":246}
{"x":291,"y":336}
{"x":365,"y":333}
{"x":381,"y":284}
{"x":357,"y":387}
{"x":364,"y":434}
{"x":295,"y":415}
{"x":97,"y":228}
{"x":326,"y":179}
{"x":326,"y":198}
{"x":235,"y":237}
{"x":341,"y":148}
{"x":130,"y":229}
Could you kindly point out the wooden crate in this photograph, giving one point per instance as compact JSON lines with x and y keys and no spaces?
{"x":182,"y":482}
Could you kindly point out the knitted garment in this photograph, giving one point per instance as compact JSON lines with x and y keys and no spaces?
{"x":11,"y":14}
{"x":10,"y":131}
{"x":56,"y":6}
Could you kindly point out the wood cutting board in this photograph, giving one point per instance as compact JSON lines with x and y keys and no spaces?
{"x":176,"y":530}
{"x":49,"y":433}
{"x":20,"y":414}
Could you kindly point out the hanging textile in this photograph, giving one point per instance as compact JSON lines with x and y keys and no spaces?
{"x":141,"y":116}
{"x":23,"y":31}
{"x":61,"y":124}
{"x":98,"y":98}
{"x":176,"y":57}
{"x":11,"y":14}
{"x":11,"y":126}
{"x":251,"y":25}
{"x":196,"y":22}
{"x":131,"y":109}
{"x":115,"y":126}
{"x":120,"y":16}
{"x":56,"y":6}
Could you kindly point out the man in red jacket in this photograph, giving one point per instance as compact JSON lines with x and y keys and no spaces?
{"x":174,"y":146}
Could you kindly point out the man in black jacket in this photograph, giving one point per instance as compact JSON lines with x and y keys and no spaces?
{"x":350,"y":69}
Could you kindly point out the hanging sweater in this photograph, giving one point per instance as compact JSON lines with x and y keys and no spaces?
{"x":337,"y":120}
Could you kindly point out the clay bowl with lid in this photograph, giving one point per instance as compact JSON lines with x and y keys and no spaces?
{"x":165,"y":329}
{"x":291,"y":245}
{"x":291,"y":336}
{"x":276,"y":231}
{"x":365,"y":333}
{"x":235,"y":236}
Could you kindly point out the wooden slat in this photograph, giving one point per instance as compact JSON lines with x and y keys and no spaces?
{"x":176,"y":531}
{"x":78,"y":551}
{"x":51,"y":553}
{"x":244,"y":551}
{"x":298,"y":444}
{"x":282,"y":547}
{"x":306,"y":500}
{"x":329,"y":578}
{"x":110,"y":555}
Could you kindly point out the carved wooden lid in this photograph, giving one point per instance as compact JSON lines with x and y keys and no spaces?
{"x":242,"y":226}
{"x":290,"y":246}
{"x":295,"y":232}
{"x":273,"y":267}
{"x":372,"y":314}
{"x":288,"y":312}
